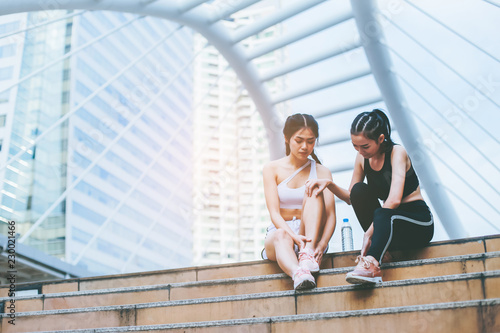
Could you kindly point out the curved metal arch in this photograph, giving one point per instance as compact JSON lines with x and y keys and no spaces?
{"x":199,"y":19}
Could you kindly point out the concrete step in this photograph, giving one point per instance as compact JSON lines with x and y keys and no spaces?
{"x":476,"y":316}
{"x":253,"y":268}
{"x":250,"y":285}
{"x":453,"y":288}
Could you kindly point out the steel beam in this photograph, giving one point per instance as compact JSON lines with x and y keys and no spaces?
{"x":273,"y":19}
{"x":311,"y":60}
{"x":494,"y":2}
{"x":347,"y":107}
{"x":334,"y":140}
{"x":371,"y":33}
{"x":307,"y":31}
{"x":223,"y":9}
{"x":187,"y":5}
{"x":342,"y":168}
{"x":288,"y":95}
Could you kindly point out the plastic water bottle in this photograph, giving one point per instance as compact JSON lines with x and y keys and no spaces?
{"x":347,"y":243}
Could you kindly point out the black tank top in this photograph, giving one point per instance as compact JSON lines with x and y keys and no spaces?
{"x":380,"y":180}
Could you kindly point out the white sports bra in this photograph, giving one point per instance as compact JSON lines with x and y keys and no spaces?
{"x":291,"y":198}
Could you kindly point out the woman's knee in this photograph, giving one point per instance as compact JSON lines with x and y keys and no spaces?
{"x":382,"y":215}
{"x":313,"y":199}
{"x":359,"y":192}
{"x":280,"y":235}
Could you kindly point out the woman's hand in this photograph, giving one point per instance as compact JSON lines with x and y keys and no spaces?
{"x":316,"y":186}
{"x":367,"y":241}
{"x":300,"y":240}
{"x":319,"y":251}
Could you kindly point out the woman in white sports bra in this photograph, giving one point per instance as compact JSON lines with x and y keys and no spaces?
{"x":300,"y":223}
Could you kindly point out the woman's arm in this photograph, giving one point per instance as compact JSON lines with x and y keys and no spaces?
{"x":273,"y":205}
{"x":399,"y":160}
{"x":358,"y":175}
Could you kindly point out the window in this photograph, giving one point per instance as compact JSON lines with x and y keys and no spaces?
{"x":65,"y":97}
{"x":8,"y":27}
{"x":6,"y":73}
{"x":4,"y":96}
{"x":7,"y":50}
{"x":66,"y":74}
{"x":2,"y":120}
{"x":69,"y":27}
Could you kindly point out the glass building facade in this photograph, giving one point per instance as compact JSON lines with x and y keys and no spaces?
{"x":119,"y":165}
{"x":230,"y":149}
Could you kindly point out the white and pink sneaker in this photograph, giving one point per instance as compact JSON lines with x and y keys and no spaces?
{"x":307,"y":260}
{"x":302,"y":279}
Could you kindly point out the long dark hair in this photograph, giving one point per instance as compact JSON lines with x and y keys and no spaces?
{"x":297,"y":122}
{"x":372,"y":124}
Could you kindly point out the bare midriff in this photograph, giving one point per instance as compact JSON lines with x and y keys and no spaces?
{"x":413,"y":196}
{"x":288,"y":214}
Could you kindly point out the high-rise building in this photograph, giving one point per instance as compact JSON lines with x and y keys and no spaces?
{"x":109,"y":187}
{"x":230,"y":150}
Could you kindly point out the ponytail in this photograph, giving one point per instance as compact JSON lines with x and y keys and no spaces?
{"x":313,"y":155}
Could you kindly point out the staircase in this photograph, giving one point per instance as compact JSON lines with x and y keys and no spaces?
{"x":450,"y":286}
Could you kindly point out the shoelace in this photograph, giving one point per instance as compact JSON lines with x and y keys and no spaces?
{"x":303,"y":255}
{"x":300,"y":271}
{"x":365,"y":262}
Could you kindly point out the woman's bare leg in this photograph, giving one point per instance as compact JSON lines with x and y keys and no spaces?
{"x":312,"y":220}
{"x":280,"y":248}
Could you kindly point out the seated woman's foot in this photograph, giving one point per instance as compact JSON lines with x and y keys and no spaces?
{"x":367,"y":271}
{"x":307,"y":260}
{"x":302,"y":279}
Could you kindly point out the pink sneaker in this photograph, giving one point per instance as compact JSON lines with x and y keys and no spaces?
{"x":307,"y":260}
{"x":365,"y":272}
{"x":302,"y":279}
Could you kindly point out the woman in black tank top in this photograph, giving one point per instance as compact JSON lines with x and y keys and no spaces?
{"x":404,"y":220}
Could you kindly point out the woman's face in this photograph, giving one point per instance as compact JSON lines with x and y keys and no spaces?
{"x":302,"y":143}
{"x":366,"y":147}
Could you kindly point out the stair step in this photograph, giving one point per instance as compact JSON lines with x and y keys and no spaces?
{"x":250,"y":285}
{"x":253,"y":268}
{"x":475,"y":316}
{"x":455,"y":288}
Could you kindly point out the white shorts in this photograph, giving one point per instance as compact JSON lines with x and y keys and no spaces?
{"x":293,"y":224}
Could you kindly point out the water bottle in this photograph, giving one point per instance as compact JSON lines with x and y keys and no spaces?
{"x":347,"y":243}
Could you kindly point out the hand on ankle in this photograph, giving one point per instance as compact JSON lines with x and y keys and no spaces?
{"x":373,"y":260}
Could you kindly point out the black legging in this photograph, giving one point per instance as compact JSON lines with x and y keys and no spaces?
{"x":408,"y":226}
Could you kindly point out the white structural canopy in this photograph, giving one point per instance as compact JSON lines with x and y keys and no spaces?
{"x":207,"y":18}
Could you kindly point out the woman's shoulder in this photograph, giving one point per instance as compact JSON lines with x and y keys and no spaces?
{"x":273,"y":165}
{"x":322,"y":171}
{"x":398,"y":150}
{"x":400,"y":156}
{"x":359,"y":161}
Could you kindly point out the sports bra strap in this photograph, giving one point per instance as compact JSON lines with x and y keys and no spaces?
{"x":296,"y":172}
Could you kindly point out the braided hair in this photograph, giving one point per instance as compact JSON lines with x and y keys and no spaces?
{"x":371,"y":125}
{"x":297,"y":122}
